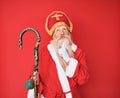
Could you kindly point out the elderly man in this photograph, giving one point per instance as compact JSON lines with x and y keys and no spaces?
{"x":62,"y":65}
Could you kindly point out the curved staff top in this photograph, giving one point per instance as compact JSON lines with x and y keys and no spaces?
{"x":36,"y":46}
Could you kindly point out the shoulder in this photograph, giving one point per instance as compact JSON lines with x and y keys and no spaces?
{"x":78,"y":52}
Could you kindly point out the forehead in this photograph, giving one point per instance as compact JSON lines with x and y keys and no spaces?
{"x":61,"y":27}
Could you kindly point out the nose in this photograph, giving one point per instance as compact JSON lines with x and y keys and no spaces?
{"x":62,"y":32}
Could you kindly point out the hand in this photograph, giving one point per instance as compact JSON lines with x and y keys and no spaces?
{"x":63,"y":53}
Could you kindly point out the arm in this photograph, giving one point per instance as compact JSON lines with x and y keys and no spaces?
{"x":81,"y":74}
{"x":76,"y":65}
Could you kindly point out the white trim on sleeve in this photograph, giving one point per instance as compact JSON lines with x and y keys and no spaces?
{"x":70,"y":69}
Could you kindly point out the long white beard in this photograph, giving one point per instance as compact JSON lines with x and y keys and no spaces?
{"x":57,"y":43}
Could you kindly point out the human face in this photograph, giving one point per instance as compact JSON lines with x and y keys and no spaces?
{"x":60,"y":31}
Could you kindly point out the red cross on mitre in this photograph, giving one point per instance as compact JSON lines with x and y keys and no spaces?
{"x":57,"y":16}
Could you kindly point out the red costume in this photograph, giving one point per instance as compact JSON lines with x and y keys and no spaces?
{"x":55,"y":82}
{"x":50,"y":85}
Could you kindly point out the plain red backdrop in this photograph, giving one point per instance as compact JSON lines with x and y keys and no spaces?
{"x":96,"y":31}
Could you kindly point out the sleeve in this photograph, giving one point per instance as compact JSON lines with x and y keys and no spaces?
{"x":81,"y":74}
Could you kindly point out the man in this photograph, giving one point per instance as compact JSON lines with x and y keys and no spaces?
{"x":62,"y":65}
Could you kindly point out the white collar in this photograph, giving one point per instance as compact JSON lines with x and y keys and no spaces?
{"x":61,"y":74}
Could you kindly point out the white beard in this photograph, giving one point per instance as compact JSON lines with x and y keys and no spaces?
{"x":57,"y":43}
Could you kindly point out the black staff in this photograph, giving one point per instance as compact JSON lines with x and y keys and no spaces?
{"x":36,"y":56}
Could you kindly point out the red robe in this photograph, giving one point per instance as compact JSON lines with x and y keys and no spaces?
{"x":50,"y":85}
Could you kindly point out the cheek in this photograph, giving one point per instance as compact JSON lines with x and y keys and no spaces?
{"x":57,"y":35}
{"x":67,"y":33}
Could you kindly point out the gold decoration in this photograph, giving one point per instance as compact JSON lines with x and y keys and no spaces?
{"x":57,"y":16}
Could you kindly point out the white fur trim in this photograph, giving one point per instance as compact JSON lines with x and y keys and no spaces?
{"x":74,"y":47}
{"x":68,"y":95}
{"x":70,"y":69}
{"x":30,"y":93}
{"x":42,"y":96}
{"x":61,"y":74}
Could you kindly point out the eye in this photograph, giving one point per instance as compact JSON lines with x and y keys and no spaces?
{"x":65,"y":29}
{"x":57,"y":30}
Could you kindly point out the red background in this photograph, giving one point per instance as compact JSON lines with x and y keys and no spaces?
{"x":96,"y":31}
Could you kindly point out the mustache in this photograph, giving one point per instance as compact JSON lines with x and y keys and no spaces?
{"x":66,"y":39}
{"x":64,"y":36}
